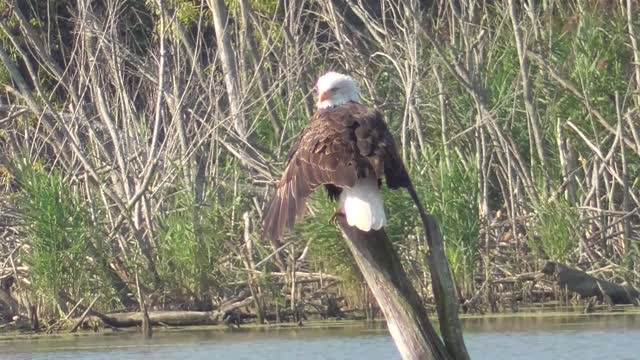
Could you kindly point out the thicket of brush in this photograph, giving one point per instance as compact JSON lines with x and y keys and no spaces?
{"x":140,"y":139}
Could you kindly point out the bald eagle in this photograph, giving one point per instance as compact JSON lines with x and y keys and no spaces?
{"x":347,"y":148}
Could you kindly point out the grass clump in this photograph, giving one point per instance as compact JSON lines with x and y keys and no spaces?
{"x":449,"y":191}
{"x":555,"y":231}
{"x":190,"y":247}
{"x":58,"y":230}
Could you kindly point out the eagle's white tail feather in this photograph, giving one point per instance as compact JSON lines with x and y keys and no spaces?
{"x":363,"y":205}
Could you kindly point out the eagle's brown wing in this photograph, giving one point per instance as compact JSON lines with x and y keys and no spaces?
{"x":376,"y":143}
{"x":338,"y":146}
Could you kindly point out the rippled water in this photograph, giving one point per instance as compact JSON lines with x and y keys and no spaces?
{"x":548,"y":337}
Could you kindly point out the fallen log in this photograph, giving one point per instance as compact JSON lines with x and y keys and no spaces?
{"x":517,"y":278}
{"x":587,"y":286}
{"x":169,"y":318}
{"x":303,"y":275}
{"x":173,"y":318}
{"x":75,"y":327}
{"x":327,"y":282}
{"x":6,"y":272}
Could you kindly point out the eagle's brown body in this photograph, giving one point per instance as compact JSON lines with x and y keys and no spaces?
{"x":339,"y":146}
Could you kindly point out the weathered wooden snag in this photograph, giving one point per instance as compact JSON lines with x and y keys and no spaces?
{"x":444,"y":289}
{"x":406,"y":317}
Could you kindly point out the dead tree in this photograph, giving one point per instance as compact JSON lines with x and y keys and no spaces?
{"x":407,"y":318}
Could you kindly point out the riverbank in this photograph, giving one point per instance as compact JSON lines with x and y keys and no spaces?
{"x":555,"y":289}
{"x":505,"y":336}
{"x":545,"y":311}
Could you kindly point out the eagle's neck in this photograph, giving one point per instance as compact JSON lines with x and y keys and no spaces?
{"x":334,"y":104}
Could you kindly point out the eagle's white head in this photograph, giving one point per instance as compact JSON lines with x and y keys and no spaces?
{"x":335,"y":89}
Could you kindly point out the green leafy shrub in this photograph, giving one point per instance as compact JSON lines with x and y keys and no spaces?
{"x":190,"y":239}
{"x":58,"y":228}
{"x":450,"y":192}
{"x":555,"y":231}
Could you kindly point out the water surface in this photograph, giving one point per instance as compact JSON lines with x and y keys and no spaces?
{"x":547,"y":337}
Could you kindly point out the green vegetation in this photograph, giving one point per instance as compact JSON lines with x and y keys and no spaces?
{"x":556,"y":231}
{"x":57,"y":229}
{"x":189,"y":244}
{"x":112,"y":169}
{"x":450,"y":192}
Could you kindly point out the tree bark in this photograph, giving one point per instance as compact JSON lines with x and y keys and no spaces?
{"x":407,"y":319}
{"x":170,"y":318}
{"x":444,"y":291}
{"x":229,"y":64}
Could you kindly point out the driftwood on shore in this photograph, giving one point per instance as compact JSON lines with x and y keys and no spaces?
{"x":174,"y":318}
{"x":169,"y":318}
{"x":587,"y":286}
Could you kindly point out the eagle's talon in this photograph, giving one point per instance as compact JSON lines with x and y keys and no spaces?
{"x":334,"y":217}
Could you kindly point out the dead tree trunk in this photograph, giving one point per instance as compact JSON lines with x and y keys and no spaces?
{"x":407,"y":319}
{"x":444,"y":290}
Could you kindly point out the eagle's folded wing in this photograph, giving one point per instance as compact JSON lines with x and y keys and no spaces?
{"x":384,"y":151}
